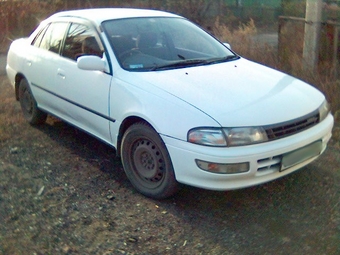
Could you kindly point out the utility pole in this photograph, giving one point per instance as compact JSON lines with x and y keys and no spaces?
{"x":312,"y":34}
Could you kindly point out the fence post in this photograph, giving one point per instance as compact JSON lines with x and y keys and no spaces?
{"x":312,"y":34}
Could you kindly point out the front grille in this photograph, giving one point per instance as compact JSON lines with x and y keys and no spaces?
{"x":292,"y":127}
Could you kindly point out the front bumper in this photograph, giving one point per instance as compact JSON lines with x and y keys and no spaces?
{"x":264,"y":159}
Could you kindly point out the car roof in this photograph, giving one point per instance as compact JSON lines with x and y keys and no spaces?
{"x":98,"y":15}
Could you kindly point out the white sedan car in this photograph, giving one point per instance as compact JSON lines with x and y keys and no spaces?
{"x":177,"y":104}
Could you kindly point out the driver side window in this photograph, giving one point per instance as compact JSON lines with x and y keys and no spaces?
{"x":81,"y":41}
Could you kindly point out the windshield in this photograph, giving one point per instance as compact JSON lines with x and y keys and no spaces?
{"x":148,"y":44}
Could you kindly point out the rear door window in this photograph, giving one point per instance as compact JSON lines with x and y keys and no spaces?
{"x":52,"y":38}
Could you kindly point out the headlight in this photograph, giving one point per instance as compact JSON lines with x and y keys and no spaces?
{"x":227,"y":136}
{"x":324,"y":110}
{"x":245,"y":135}
{"x":207,"y":136}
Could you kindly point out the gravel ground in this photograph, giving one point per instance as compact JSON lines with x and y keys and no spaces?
{"x":63,"y":192}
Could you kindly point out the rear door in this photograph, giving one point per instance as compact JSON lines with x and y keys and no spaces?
{"x":42,"y":63}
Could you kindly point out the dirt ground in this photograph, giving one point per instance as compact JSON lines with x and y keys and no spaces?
{"x":64,"y":192}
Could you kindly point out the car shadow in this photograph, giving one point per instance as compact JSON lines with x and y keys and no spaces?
{"x":93,"y":151}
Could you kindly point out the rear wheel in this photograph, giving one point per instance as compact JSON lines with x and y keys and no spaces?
{"x":147,"y":162}
{"x":29,"y":106}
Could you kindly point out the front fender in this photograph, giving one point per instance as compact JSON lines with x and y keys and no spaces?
{"x":167,"y":114}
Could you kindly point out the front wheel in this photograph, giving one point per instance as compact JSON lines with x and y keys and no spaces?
{"x":29,"y":106}
{"x":147,"y":163}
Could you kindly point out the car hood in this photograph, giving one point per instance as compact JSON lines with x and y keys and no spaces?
{"x":238,"y":93}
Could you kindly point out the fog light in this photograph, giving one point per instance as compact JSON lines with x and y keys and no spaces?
{"x":223,"y":168}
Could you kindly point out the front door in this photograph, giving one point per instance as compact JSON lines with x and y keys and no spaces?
{"x":83,"y":95}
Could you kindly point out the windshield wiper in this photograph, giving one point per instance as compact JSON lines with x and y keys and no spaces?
{"x":182,"y":63}
{"x":220,"y":60}
{"x":194,"y":62}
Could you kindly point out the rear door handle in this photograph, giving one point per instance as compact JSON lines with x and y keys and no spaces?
{"x":29,"y":62}
{"x":61,"y":74}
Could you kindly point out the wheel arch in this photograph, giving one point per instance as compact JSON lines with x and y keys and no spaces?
{"x":129,"y":121}
{"x":17,"y":81}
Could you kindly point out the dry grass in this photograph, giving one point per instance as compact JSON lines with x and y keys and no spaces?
{"x":242,"y":41}
{"x":243,"y":34}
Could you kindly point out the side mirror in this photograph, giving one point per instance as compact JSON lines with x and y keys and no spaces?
{"x":91,"y":63}
{"x":227,"y":45}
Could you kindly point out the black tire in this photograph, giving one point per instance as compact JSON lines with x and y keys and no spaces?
{"x":147,"y":163}
{"x":29,"y":106}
